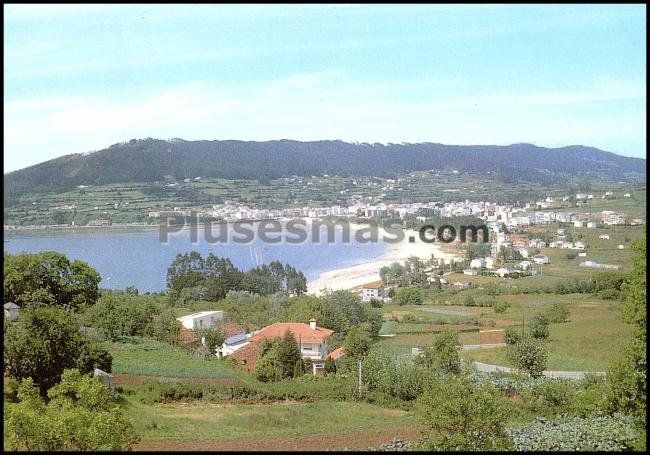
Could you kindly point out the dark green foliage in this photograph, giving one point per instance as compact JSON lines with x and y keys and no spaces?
{"x":49,"y":279}
{"x":408,"y":296}
{"x":121,"y":314}
{"x":213,"y":277}
{"x":512,"y":335}
{"x":500,"y":307}
{"x":469,"y":301}
{"x":357,"y":342}
{"x":538,"y":327}
{"x":564,"y":433}
{"x":279,"y":359}
{"x":213,"y":338}
{"x":459,"y":415}
{"x":529,"y":355}
{"x":442,"y":356}
{"x":550,"y":397}
{"x":164,"y":327}
{"x":46,"y":341}
{"x":81,"y":415}
{"x":557,"y":312}
{"x":150,"y":160}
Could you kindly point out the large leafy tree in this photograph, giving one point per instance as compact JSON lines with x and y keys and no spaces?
{"x":49,"y":279}
{"x":461,"y":416}
{"x":358,"y":341}
{"x":81,"y":415}
{"x":46,"y":341}
{"x":529,"y":355}
{"x":627,"y":376}
{"x":279,"y":359}
{"x":443,"y":356}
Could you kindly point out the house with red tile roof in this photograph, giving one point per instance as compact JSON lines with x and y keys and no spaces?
{"x":312,"y":340}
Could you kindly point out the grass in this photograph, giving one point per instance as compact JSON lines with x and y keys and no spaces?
{"x":388,"y":328}
{"x":206,"y":421}
{"x":141,"y":356}
{"x":590,"y":341}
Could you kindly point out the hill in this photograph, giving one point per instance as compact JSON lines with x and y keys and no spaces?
{"x":150,"y":160}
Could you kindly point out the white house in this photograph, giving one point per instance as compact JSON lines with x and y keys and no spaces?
{"x":523,"y":252}
{"x":372,"y":291}
{"x":477,"y":263}
{"x":579,"y":245}
{"x":578,"y":223}
{"x":236,"y":338}
{"x":627,"y":195}
{"x":489,"y":263}
{"x":583,"y":254}
{"x":313,"y":340}
{"x":471,"y":272}
{"x":11,"y":311}
{"x":540,"y":259}
{"x":591,"y":224}
{"x":604,"y":237}
{"x":201,"y":320}
{"x":503,"y":271}
{"x":525,"y":265}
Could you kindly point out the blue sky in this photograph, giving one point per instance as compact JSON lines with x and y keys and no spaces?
{"x":80,"y":78}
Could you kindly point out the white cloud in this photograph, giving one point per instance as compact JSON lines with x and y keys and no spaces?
{"x":323,"y":105}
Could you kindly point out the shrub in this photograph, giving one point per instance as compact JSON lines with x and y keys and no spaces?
{"x":500,"y":307}
{"x":538,"y":327}
{"x":462,"y":416}
{"x":469,"y":301}
{"x":529,"y":355}
{"x":408,"y":296}
{"x":550,"y":397}
{"x":512,"y":335}
{"x":557,"y":312}
{"x":443,"y":356}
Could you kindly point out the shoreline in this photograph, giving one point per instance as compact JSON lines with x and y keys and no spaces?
{"x":351,"y":277}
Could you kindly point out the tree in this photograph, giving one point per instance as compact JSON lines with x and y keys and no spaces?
{"x":212,"y":338}
{"x":500,"y":307}
{"x":81,"y":415}
{"x":538,"y":327}
{"x":408,"y":296}
{"x":358,"y":341}
{"x":512,"y":335}
{"x":558,"y":312}
{"x":49,"y":279}
{"x":529,"y":355}
{"x":442,"y":356}
{"x":164,"y":327}
{"x":46,"y":341}
{"x":461,"y":416}
{"x":627,"y":376}
{"x":279,"y":359}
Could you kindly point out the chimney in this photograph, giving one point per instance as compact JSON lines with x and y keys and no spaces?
{"x":312,"y":323}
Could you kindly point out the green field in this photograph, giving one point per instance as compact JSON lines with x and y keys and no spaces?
{"x":131,"y":202}
{"x":207,"y":421}
{"x":142,"y":356}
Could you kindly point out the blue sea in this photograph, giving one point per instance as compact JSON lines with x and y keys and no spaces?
{"x":138,"y":258}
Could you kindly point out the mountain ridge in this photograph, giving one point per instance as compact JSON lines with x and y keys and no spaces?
{"x":149,"y":160}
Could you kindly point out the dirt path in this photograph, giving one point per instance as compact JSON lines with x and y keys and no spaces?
{"x":356,"y":440}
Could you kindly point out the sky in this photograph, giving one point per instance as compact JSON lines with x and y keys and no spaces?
{"x":79,"y":78}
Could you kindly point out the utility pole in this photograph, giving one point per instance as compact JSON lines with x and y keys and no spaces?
{"x":360,"y":380}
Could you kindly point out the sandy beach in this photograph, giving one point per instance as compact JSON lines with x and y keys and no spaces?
{"x":351,"y":277}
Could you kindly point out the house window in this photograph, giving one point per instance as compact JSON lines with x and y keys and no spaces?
{"x":306,"y":348}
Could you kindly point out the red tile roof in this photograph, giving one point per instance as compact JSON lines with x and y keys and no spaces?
{"x":247,"y":356}
{"x":301,"y":332}
{"x":373,"y":285}
{"x":336,"y":354}
{"x":231,"y":328}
